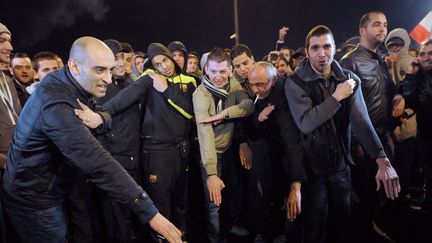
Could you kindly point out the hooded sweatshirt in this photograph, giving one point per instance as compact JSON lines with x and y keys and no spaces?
{"x":397,"y":70}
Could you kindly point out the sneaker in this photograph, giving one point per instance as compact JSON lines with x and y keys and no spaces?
{"x":239,"y":231}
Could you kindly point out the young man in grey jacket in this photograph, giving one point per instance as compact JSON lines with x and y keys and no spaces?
{"x":326,"y":104}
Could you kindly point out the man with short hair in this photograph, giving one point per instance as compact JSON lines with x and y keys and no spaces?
{"x":243,"y":62}
{"x":165,"y":96}
{"x":44,"y":63}
{"x":217,"y":101}
{"x":56,"y":139}
{"x":128,"y":57}
{"x":193,"y":65}
{"x":326,"y":104}
{"x":23,"y":73}
{"x":383,"y":105}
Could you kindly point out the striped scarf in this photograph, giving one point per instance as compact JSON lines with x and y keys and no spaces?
{"x":220,"y":94}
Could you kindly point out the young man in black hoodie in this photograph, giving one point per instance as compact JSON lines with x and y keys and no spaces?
{"x":165,"y":96}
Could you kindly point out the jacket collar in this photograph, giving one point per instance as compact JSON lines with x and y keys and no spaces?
{"x":306,"y":73}
{"x":375,"y":55}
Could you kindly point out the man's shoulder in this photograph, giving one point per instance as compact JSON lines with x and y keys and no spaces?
{"x":54,"y":89}
{"x":201,"y":91}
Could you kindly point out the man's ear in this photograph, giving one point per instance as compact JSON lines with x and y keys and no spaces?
{"x":11,"y":71}
{"x":362,"y":31}
{"x":73,"y":67}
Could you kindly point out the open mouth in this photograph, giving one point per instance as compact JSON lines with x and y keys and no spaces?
{"x":102,"y":87}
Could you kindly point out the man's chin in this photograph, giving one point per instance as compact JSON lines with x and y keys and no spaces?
{"x":99,"y":94}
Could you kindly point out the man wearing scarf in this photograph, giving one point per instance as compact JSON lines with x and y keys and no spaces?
{"x":219,"y":99}
{"x":9,"y":103}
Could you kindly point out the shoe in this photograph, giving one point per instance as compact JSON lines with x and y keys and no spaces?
{"x":239,"y":231}
{"x":260,"y":238}
{"x":280,"y":239}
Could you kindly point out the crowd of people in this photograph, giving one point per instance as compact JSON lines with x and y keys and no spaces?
{"x":119,"y":145}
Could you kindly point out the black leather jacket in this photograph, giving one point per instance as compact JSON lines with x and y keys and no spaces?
{"x":50,"y":143}
{"x":377,"y":87}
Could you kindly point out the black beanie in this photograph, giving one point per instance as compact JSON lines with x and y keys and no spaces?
{"x":155,"y":49}
{"x":178,"y":46}
{"x":114,"y":45}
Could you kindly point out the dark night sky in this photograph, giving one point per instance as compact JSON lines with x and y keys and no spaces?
{"x":200,"y":24}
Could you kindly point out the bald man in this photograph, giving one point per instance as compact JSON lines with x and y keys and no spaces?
{"x":55,"y":139}
{"x":282,"y":164}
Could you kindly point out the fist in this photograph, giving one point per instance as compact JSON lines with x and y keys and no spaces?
{"x":344,"y":89}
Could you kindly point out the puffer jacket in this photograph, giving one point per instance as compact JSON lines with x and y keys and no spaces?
{"x":50,"y":143}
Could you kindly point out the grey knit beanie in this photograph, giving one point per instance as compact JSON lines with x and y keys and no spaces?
{"x":4,"y":29}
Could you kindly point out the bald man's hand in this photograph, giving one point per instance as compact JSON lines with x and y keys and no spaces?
{"x":164,"y":227}
{"x":90,"y":118}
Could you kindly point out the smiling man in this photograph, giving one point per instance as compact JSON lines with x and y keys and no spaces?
{"x":53,"y":144}
{"x":217,"y":101}
{"x":326,"y":104}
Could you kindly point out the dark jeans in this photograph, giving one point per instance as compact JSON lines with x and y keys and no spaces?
{"x":47,"y":225}
{"x":122,"y":226}
{"x":165,"y":180}
{"x":326,"y":207}
{"x":405,"y":154}
{"x":266,"y":186}
{"x":366,"y":200}
{"x":424,"y":143}
{"x":84,"y":217}
{"x":220,"y":218}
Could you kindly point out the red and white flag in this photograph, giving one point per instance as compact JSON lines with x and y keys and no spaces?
{"x":422,"y":32}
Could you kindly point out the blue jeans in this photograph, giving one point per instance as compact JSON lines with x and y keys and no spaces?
{"x":326,"y":205}
{"x":214,"y":234}
{"x":221,"y":218}
{"x":46,"y":225}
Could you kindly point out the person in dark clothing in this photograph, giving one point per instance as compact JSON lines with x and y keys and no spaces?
{"x":165,"y":96}
{"x":383,"y":103}
{"x":85,"y":217}
{"x":272,"y":122}
{"x":123,"y":142}
{"x":179,"y":53}
{"x":417,"y":90}
{"x":326,"y":103}
{"x":56,"y":139}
